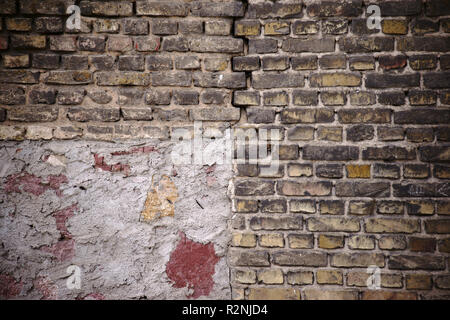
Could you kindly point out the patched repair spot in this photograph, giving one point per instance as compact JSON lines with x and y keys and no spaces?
{"x":192,"y":265}
{"x":160,"y":200}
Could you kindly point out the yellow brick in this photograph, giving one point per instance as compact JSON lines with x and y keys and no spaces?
{"x":271,"y":240}
{"x":329,"y":277}
{"x":394,"y":26}
{"x":247,"y":240}
{"x":274,"y":294}
{"x":18,"y":24}
{"x":274,"y":276}
{"x":247,"y":28}
{"x":330,"y":242}
{"x":245,"y":276}
{"x":276,"y":28}
{"x":358,"y":171}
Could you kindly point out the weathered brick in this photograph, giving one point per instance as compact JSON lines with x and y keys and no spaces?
{"x":437,"y":80}
{"x":395,"y":242}
{"x":360,"y":63}
{"x":19,"y":76}
{"x":366,"y":44}
{"x":353,"y":259}
{"x":12,"y":95}
{"x":274,"y":294}
{"x":42,"y":95}
{"x":422,"y":116}
{"x":383,"y":225}
{"x":437,"y":8}
{"x":358,"y":171}
{"x":364,"y":115}
{"x":329,"y":133}
{"x":441,"y":172}
{"x":102,"y":62}
{"x":159,"y":8}
{"x":122,"y":78}
{"x":434,"y":154}
{"x":394,"y":26}
{"x":390,"y":153}
{"x":245,"y":98}
{"x":248,"y":258}
{"x":437,"y":226}
{"x":434,"y":44}
{"x":266,"y":9}
{"x":33,"y":113}
{"x":302,"y":206}
{"x":331,"y":171}
{"x":361,"y":243}
{"x":133,"y":63}
{"x":333,"y":224}
{"x":110,"y":8}
{"x":276,"y":98}
{"x":213,"y":96}
{"x":261,"y":46}
{"x":18,"y":24}
{"x":246,"y":240}
{"x":409,"y":262}
{"x":388,"y":295}
{"x":419,"y":282}
{"x":333,"y":98}
{"x":363,"y":189}
{"x":152,"y":43}
{"x":22,"y":41}
{"x":234,"y":80}
{"x":187,"y":63}
{"x":299,"y":258}
{"x":63,"y":43}
{"x":282,"y":223}
{"x":106,"y":26}
{"x":387,"y":171}
{"x":360,"y":133}
{"x":423,"y":62}
{"x":216,"y":44}
{"x":74,"y":62}
{"x":82,"y":114}
{"x":333,"y":207}
{"x":415,"y":190}
{"x":92,"y":43}
{"x":135,"y":26}
{"x":351,"y":8}
{"x":308,"y":45}
{"x":293,"y":188}
{"x":16,"y":61}
{"x":325,"y":294}
{"x":332,"y":153}
{"x":274,"y":80}
{"x":299,"y":277}
{"x":304,"y":63}
{"x":330,"y":242}
{"x":272,"y":240}
{"x":218,"y":27}
{"x":422,"y":244}
{"x":305,"y":27}
{"x":301,"y":133}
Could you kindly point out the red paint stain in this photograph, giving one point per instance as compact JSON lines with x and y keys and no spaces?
{"x":9,"y":286}
{"x":29,"y":183}
{"x":91,"y":296}
{"x":191,"y":265}
{"x":62,"y":250}
{"x":99,"y":163}
{"x":146,"y":149}
{"x":61,"y":217}
{"x":44,"y":286}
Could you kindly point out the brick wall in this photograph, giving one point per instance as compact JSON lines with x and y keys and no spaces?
{"x":363,"y":118}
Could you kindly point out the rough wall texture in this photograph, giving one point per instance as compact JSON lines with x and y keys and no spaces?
{"x":363,"y":120}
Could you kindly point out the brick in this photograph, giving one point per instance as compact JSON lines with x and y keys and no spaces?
{"x":11,"y":133}
{"x":333,"y":207}
{"x":273,"y":80}
{"x":130,"y":96}
{"x":298,"y":258}
{"x":45,"y":61}
{"x":106,"y":26}
{"x":390,"y":133}
{"x":300,"y":241}
{"x":361,"y":207}
{"x":82,"y":114}
{"x":392,"y":62}
{"x":74,"y":62}
{"x":158,"y":8}
{"x":330,"y":242}
{"x":245,"y":63}
{"x":12,"y":95}
{"x":329,"y":277}
{"x":321,"y":294}
{"x":234,"y":80}
{"x":135,"y":26}
{"x":275,"y":28}
{"x":422,"y":116}
{"x":42,"y":95}
{"x":3,"y":42}
{"x":330,"y":98}
{"x":362,"y":189}
{"x":437,"y":8}
{"x":267,"y":10}
{"x":216,"y":44}
{"x":111,"y":8}
{"x":38,"y":133}
{"x":33,"y":113}
{"x":16,"y":61}
{"x":333,"y":61}
{"x":422,"y":98}
{"x":443,"y":282}
{"x":331,"y":171}
{"x":390,"y":153}
{"x":360,"y":133}
{"x":65,"y":43}
{"x":216,"y":64}
{"x":245,"y":276}
{"x":248,"y":258}
{"x":164,"y":27}
{"x":392,"y":81}
{"x":136,"y":113}
{"x":390,"y":207}
{"x":418,"y":282}
{"x":304,"y":98}
{"x":408,"y":8}
{"x":276,"y":98}
{"x":273,"y":276}
{"x":274,"y":294}
{"x":422,"y":244}
{"x":8,"y":7}
{"x":122,"y":78}
{"x":302,"y":206}
{"x":308,"y":45}
{"x":304,"y":63}
{"x":247,"y":28}
{"x":359,"y":279}
{"x":366,"y":44}
{"x":305,"y":27}
{"x":410,"y":262}
{"x":261,"y":46}
{"x":358,"y":171}
{"x":333,"y":224}
{"x":247,"y":240}
{"x":214,"y":9}
{"x":392,"y":98}
{"x":133,"y":63}
{"x":244,"y":98}
{"x":416,"y":171}
{"x":291,"y":188}
{"x":218,"y":28}
{"x":361,"y":242}
{"x":394,"y":26}
{"x":158,"y":63}
{"x":92,"y":43}
{"x":361,"y":63}
{"x":351,"y":8}
{"x":395,"y":242}
{"x":19,"y":76}
{"x":415,"y":190}
{"x":444,"y":245}
{"x":434,"y":154}
{"x":437,"y":80}
{"x":353,"y":259}
{"x":18,"y":24}
{"x":359,"y":27}
{"x":187,"y":63}
{"x":387,"y":171}
{"x":99,"y":96}
{"x":22,"y":41}
{"x":388,"y":295}
{"x":69,"y":77}
{"x":441,"y":172}
{"x":213,"y":97}
{"x":334,"y":27}
{"x":301,"y":133}
{"x":102,"y":62}
{"x":271,"y":240}
{"x":364,"y":115}
{"x":158,"y":97}
{"x":329,"y":133}
{"x":423,"y":62}
{"x":383,"y":225}
{"x":434,"y":44}
{"x":423,"y":26}
{"x":437,"y":226}
{"x":152,"y":43}
{"x":275,"y":63}
{"x":283,"y":223}
{"x":332,"y":153}
{"x":300,"y":277}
